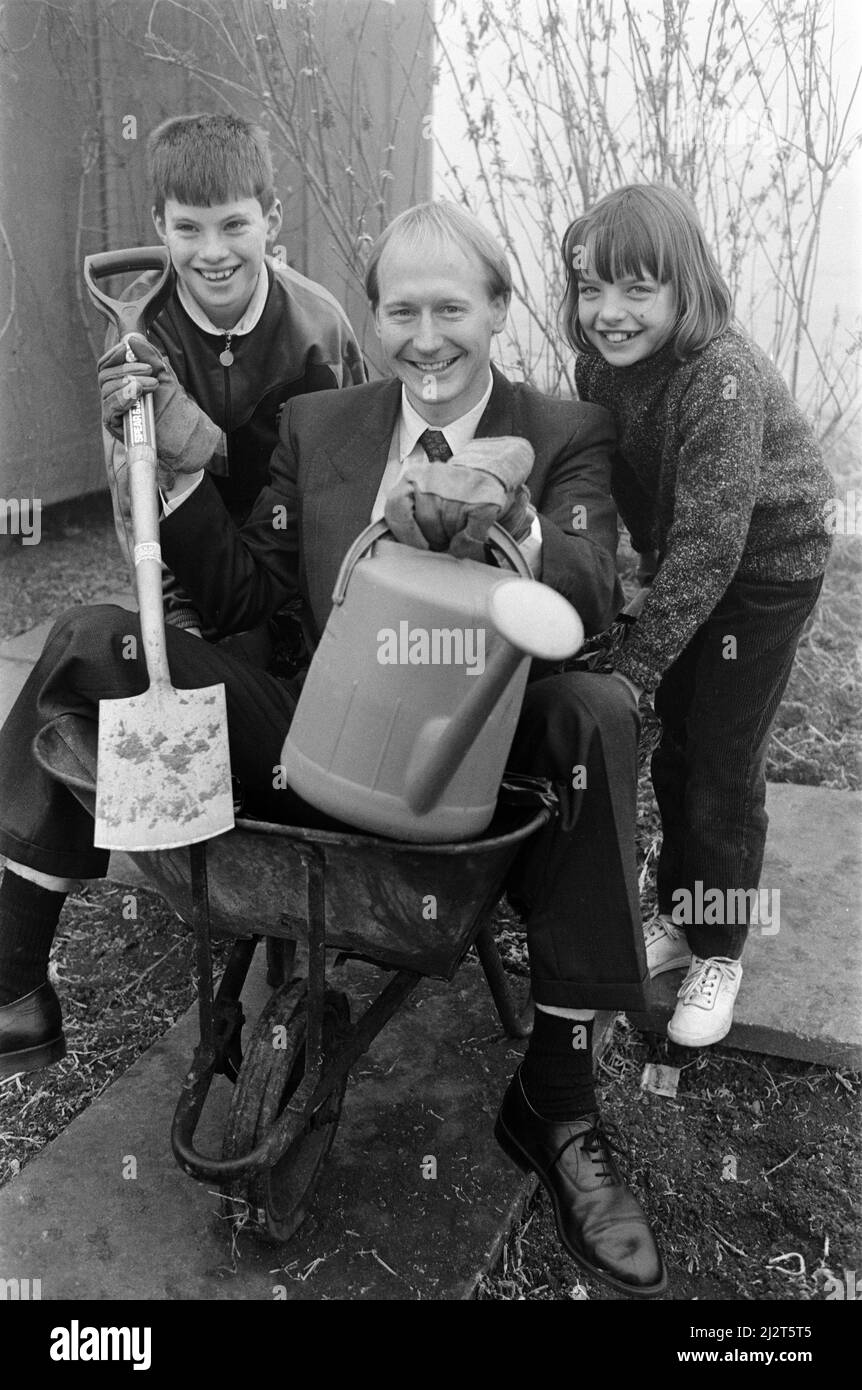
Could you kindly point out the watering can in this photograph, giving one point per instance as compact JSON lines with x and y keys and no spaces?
{"x":409,"y":707}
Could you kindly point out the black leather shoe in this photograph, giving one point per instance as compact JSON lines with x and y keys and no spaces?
{"x":600,"y":1222}
{"x":31,"y":1032}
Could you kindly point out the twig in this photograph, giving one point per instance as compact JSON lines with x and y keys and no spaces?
{"x":735,"y":1249}
{"x":783,"y":1161}
{"x":797,"y":757}
{"x":12,"y":279}
{"x":387,"y":1267}
{"x":149,"y":969}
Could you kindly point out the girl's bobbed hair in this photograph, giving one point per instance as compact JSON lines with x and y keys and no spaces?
{"x":648,"y":229}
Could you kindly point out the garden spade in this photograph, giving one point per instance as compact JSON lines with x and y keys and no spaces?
{"x":163,"y":766}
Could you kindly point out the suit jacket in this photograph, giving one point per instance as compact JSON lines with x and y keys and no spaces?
{"x":324,"y":477}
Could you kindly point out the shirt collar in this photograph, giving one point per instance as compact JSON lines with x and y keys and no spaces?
{"x":249,"y":319}
{"x":458,"y":433}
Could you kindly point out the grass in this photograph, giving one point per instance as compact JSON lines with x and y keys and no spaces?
{"x":76,"y":561}
{"x":124,"y":980}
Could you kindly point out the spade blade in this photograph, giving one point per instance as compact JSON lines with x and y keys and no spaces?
{"x":163,"y":769}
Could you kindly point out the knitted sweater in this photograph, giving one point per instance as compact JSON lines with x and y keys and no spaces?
{"x":719,"y":472}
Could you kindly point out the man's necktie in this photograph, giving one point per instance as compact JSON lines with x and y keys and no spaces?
{"x":435,"y":446}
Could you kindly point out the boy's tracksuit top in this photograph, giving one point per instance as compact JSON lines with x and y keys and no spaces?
{"x":302,"y":342}
{"x":718,"y":471}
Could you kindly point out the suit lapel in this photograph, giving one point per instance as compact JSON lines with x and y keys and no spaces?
{"x":339,"y":506}
{"x":355,"y":458}
{"x":498,"y":415}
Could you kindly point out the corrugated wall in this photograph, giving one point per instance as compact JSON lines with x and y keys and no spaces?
{"x":82,"y":85}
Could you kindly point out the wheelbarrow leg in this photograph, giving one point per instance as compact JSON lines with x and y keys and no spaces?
{"x":221,"y":1018}
{"x":280,"y":957}
{"x":514,"y":1024}
{"x":203,"y":967}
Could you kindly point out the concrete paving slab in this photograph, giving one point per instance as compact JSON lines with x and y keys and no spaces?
{"x":13,"y":674}
{"x":801,"y":992}
{"x":18,"y":654}
{"x":429,"y":1088}
{"x":27,"y":646}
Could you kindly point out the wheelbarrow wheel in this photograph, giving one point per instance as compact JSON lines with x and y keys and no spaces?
{"x":274,"y":1203}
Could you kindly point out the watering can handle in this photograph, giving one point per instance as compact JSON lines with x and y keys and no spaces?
{"x":497,"y":538}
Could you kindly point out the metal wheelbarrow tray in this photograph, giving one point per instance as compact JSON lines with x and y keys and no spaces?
{"x":408,"y":908}
{"x":403,"y":905}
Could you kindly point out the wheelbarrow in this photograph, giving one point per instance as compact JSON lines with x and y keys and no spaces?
{"x":413,"y":910}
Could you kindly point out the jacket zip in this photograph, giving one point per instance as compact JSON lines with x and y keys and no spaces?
{"x":226,"y":369}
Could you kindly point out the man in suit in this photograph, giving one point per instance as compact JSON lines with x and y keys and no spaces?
{"x":439,"y":288}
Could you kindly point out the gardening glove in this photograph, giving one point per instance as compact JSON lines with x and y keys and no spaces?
{"x":186,"y":438}
{"x":450,"y":506}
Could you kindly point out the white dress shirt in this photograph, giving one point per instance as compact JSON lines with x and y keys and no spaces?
{"x":249,"y":320}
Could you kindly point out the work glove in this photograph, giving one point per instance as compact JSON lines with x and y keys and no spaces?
{"x":450,"y":506}
{"x":186,"y":438}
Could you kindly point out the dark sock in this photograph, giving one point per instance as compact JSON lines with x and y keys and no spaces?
{"x":557,"y":1071}
{"x":28,"y":919}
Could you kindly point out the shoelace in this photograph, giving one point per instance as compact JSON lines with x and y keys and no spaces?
{"x":659,"y":928}
{"x":602,"y":1136}
{"x":702,"y":983}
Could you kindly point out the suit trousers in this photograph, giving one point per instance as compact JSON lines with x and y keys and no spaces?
{"x":575,"y":882}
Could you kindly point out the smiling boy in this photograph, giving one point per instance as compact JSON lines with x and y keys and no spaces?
{"x":240,"y":334}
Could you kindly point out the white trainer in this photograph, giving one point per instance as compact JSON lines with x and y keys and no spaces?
{"x":666,"y":947}
{"x":704,"y":1010}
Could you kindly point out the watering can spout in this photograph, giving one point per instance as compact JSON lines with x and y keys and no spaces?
{"x":536,"y":622}
{"x":442,"y":743}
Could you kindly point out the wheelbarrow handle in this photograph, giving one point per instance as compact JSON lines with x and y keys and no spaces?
{"x":132,"y":315}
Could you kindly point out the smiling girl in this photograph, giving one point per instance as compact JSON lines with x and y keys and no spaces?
{"x":718,"y":475}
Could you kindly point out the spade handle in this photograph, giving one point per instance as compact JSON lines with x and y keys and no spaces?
{"x":139,"y":435}
{"x":139,"y":432}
